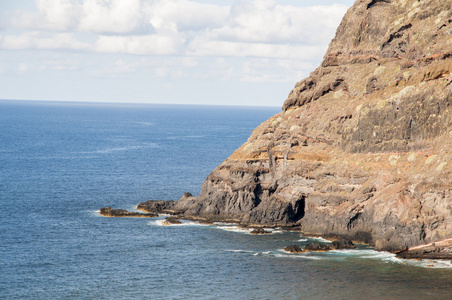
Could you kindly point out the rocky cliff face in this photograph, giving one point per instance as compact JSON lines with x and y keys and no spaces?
{"x":363,"y":146}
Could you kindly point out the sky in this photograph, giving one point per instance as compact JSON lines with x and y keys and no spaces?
{"x":223,"y":52}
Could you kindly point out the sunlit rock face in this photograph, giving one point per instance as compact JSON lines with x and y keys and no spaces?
{"x":363,"y":146}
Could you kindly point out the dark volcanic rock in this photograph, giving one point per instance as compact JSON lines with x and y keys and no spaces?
{"x":320,"y":247}
{"x":171,"y":221}
{"x":168,"y":207}
{"x":342,"y":244}
{"x":156,"y":206}
{"x":293,"y":249}
{"x":110,"y":212}
{"x":317,"y":247}
{"x":258,"y":231}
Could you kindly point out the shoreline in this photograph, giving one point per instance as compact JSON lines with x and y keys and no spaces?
{"x":439,"y":250}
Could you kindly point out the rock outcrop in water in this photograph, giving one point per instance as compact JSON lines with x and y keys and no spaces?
{"x":111,"y":212}
{"x":363,"y":146}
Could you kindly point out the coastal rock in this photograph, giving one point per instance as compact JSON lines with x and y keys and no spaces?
{"x":342,"y":244}
{"x":362,"y":147}
{"x":171,"y":221}
{"x":110,"y":212}
{"x":438,"y":250}
{"x":293,"y":249}
{"x":168,"y":207}
{"x":258,"y":231}
{"x":321,"y":247}
{"x":317,"y":247}
{"x":157,"y":206}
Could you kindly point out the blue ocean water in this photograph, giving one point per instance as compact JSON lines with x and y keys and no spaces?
{"x":61,"y":162}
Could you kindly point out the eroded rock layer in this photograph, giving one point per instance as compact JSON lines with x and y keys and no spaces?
{"x":362,"y":147}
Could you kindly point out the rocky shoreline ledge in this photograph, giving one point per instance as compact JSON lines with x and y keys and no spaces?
{"x":441,"y":250}
{"x":117,"y":213}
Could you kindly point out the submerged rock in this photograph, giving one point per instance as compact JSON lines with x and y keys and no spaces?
{"x":110,"y":212}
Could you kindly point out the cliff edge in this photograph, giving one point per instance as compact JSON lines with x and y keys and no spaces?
{"x":363,"y":146}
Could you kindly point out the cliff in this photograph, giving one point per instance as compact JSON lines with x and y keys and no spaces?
{"x":362,"y":147}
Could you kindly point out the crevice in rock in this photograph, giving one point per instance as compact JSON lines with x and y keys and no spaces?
{"x":352,"y":222}
{"x":375,"y":2}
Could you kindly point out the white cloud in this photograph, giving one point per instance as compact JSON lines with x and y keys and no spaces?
{"x":57,"y":15}
{"x":22,"y":68}
{"x":179,"y":43}
{"x":41,"y":40}
{"x":259,"y":28}
{"x":265,"y":21}
{"x":113,"y":16}
{"x":186,"y":16}
{"x":205,"y":47}
{"x":139,"y":45}
{"x":66,"y":64}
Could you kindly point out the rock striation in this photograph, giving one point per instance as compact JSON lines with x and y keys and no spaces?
{"x":363,"y":146}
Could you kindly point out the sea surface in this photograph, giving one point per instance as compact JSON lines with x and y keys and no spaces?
{"x":61,"y":162}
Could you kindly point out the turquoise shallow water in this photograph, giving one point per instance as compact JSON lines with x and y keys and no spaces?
{"x":61,"y":162}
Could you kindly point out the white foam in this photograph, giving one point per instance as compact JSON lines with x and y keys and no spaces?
{"x":239,"y":251}
{"x":273,"y":230}
{"x":95,"y":213}
{"x":297,"y":255}
{"x":302,"y":240}
{"x":235,"y":229}
{"x":321,"y":239}
{"x":161,"y":222}
{"x":428,"y":263}
{"x":224,"y":224}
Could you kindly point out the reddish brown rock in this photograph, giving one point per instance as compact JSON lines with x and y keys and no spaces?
{"x":362,"y":148}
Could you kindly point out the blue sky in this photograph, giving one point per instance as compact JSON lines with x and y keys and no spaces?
{"x":242,"y":52}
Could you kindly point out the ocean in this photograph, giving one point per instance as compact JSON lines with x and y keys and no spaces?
{"x":61,"y":162}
